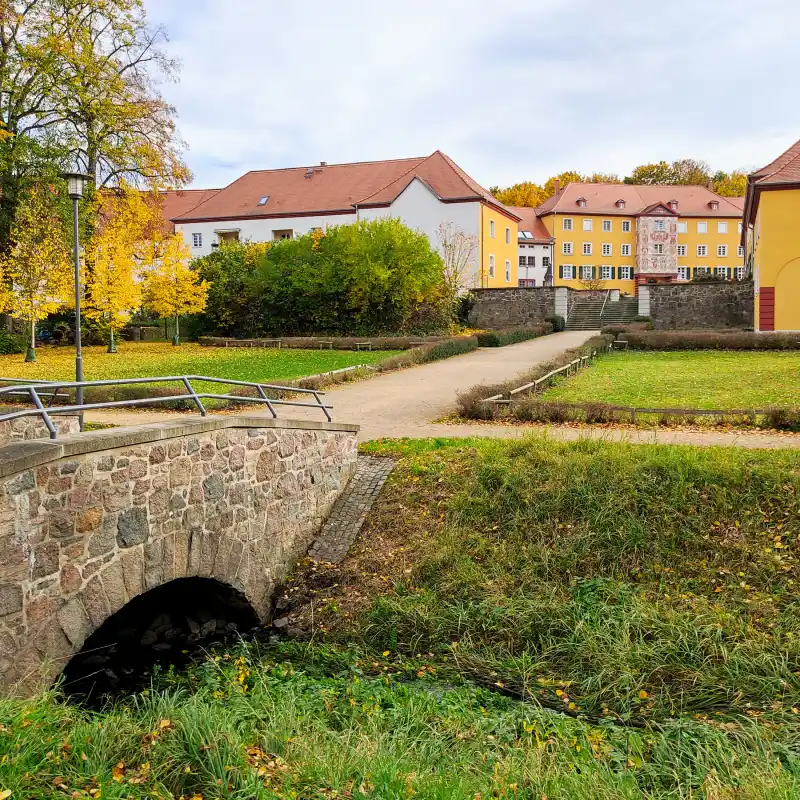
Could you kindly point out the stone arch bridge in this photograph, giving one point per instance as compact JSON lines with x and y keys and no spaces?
{"x":91,"y":521}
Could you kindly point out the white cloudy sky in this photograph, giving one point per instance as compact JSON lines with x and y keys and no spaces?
{"x":511,"y":89}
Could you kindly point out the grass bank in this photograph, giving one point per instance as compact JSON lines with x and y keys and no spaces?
{"x":518,"y":620}
{"x":702,"y":379}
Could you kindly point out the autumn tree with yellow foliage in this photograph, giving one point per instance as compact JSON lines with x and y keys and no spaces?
{"x":36,"y":272}
{"x":125,"y":219}
{"x":171,"y":287}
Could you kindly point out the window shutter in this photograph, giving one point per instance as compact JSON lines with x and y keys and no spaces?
{"x":728,"y":271}
{"x":594,"y":272}
{"x":613,"y":273}
{"x":561,"y":271}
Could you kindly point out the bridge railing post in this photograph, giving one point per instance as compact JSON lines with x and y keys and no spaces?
{"x":190,"y":389}
{"x":37,"y":401}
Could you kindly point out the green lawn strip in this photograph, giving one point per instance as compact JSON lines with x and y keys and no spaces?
{"x":703,"y":380}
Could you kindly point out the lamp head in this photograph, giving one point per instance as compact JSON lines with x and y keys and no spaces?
{"x":76,"y":183}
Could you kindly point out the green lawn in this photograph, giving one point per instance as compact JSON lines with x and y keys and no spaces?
{"x":519,"y":620}
{"x":159,"y":358}
{"x":706,"y":379}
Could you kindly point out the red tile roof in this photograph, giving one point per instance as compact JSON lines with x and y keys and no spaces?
{"x":784,"y":169}
{"x":336,"y":189}
{"x":176,"y":202}
{"x":601,"y":198}
{"x":529,"y":221}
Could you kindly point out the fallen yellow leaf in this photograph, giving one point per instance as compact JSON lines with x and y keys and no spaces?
{"x":118,"y":771}
{"x":5,"y":794}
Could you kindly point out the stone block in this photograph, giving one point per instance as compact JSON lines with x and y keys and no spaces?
{"x":132,"y":527}
{"x":88,"y":520}
{"x":213,"y":487}
{"x":95,"y":602}
{"x":74,"y":621}
{"x":133,"y":571}
{"x":113,"y":580}
{"x":71,"y":579}
{"x":44,"y":560}
{"x":10,"y":599}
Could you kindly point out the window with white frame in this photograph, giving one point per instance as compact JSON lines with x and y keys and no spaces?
{"x":566,"y":248}
{"x":722,"y":251}
{"x":491,"y":228}
{"x":508,"y":271}
{"x":683,"y":273}
{"x":606,"y":273}
{"x":508,"y":235}
{"x":531,"y":261}
{"x":587,"y":224}
{"x":587,"y":248}
{"x":197,"y":240}
{"x":523,"y":260}
{"x":625,"y":250}
{"x":740,"y":251}
{"x":545,"y":261}
{"x":702,"y":250}
{"x":568,"y":272}
{"x":606,"y":226}
{"x":607,"y":250}
{"x":682,"y":248}
{"x":626,"y":226}
{"x":660,"y":225}
{"x":625,"y":273}
{"x":722,"y":227}
{"x":683,"y":227}
{"x":721,"y":272}
{"x":567,"y":224}
{"x":702,"y":270}
{"x":587,"y":272}
{"x":491,"y":266}
{"x":702,"y":227}
{"x":740,"y":273}
{"x":740,"y":229}
{"x":658,"y":249}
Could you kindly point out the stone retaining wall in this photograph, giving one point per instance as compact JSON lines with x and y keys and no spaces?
{"x":512,"y":308}
{"x":694,"y":306}
{"x":88,"y":522}
{"x":27,"y":428}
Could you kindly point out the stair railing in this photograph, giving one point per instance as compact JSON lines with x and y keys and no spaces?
{"x":603,"y":309}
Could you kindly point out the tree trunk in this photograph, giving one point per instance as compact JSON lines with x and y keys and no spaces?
{"x":30,"y":355}
{"x":112,"y":344}
{"x":176,"y":339}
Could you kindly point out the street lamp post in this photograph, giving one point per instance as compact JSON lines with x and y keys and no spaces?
{"x":76,"y":183}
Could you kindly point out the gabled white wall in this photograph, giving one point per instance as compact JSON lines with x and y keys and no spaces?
{"x":539,"y":251}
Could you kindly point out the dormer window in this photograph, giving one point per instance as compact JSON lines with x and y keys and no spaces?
{"x":620,"y":204}
{"x":673,"y":204}
{"x":714,"y":205}
{"x":581,"y":202}
{"x":263,"y":200}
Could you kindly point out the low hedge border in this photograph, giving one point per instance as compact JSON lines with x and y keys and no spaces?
{"x":593,"y":413}
{"x":334,"y":342}
{"x":471,"y":403}
{"x":705,"y":340}
{"x":503,"y":337}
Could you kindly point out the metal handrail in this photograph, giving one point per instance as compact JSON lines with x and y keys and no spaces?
{"x":31,"y":389}
{"x":603,"y":309}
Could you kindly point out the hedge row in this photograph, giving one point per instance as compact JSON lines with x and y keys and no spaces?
{"x":558,"y":412}
{"x":500,"y":338}
{"x":471,"y":403}
{"x":705,"y":340}
{"x":314,"y":342}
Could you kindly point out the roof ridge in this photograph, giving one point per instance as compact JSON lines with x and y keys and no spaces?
{"x":462,"y":176}
{"x":399,"y":177}
{"x":328,"y":166}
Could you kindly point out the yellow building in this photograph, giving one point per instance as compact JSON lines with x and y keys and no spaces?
{"x":497,"y":247}
{"x":616,"y":236}
{"x":772,"y":241}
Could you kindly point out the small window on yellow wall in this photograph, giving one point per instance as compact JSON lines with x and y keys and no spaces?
{"x":508,"y":271}
{"x":491,"y":228}
{"x":491,"y":266}
{"x":508,"y":235}
{"x":567,"y":224}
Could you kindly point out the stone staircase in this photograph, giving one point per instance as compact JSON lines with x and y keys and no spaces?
{"x":589,"y":314}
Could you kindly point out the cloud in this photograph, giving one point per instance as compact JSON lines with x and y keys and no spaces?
{"x":511,"y":90}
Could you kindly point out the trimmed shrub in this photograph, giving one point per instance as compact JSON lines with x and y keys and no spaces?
{"x":500,"y":338}
{"x":783,"y":419}
{"x":557,"y":321}
{"x":11,"y":344}
{"x":710,"y":340}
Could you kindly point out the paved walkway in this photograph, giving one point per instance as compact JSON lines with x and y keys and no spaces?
{"x":404,"y":403}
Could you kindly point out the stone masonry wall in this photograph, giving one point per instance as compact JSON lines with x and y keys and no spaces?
{"x":90,"y":521}
{"x":712,"y":306}
{"x":512,"y":308}
{"x":27,"y":428}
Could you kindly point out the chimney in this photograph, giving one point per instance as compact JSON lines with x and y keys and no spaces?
{"x":309,"y":172}
{"x":710,"y":185}
{"x":323,"y":163}
{"x":556,"y":186}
